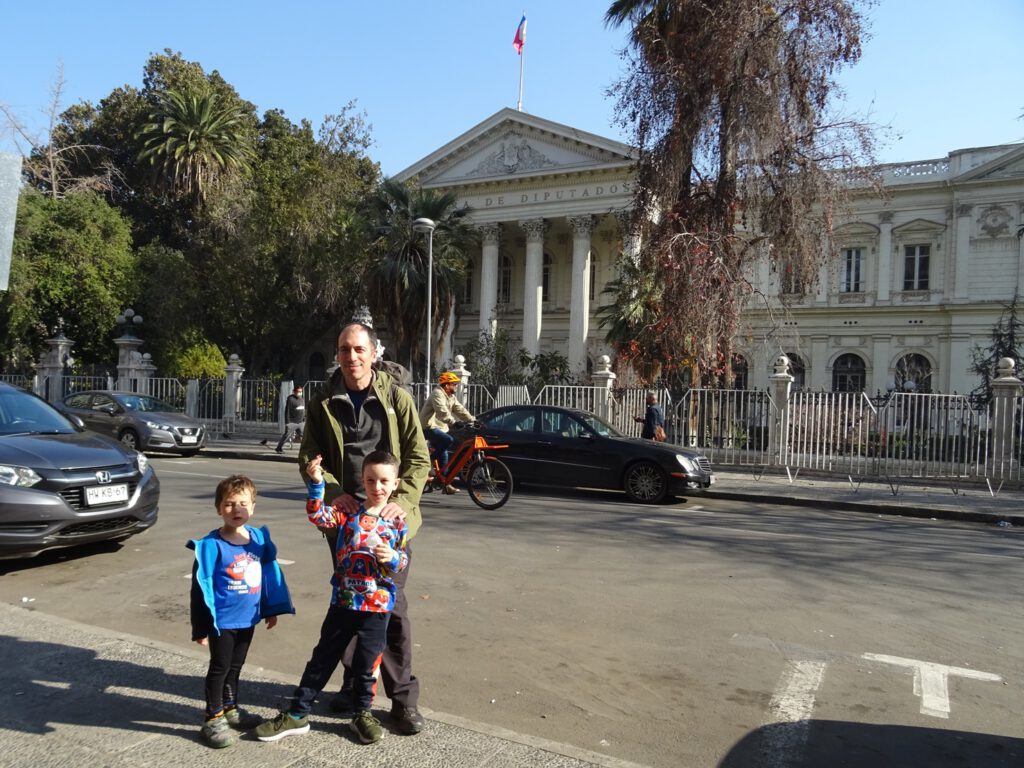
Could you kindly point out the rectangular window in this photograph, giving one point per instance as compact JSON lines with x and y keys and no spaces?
{"x":852,"y":265}
{"x":793,"y":279}
{"x":915,"y":267}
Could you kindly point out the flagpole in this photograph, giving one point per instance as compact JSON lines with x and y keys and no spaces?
{"x":519,"y":105}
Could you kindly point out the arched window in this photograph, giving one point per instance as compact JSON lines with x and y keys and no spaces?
{"x":505,"y":281}
{"x":546,"y":279}
{"x":913,"y":374}
{"x":798,"y":370}
{"x":849,"y":374}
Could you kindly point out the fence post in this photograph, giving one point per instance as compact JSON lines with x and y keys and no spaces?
{"x":603,"y":379}
{"x":778,"y":426}
{"x":192,"y":398}
{"x":463,"y":373}
{"x":53,"y":365}
{"x":232,"y":384}
{"x":282,"y":402}
{"x":1006,"y":388}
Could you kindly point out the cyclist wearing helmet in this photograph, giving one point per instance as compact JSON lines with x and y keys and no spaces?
{"x":441,"y":410}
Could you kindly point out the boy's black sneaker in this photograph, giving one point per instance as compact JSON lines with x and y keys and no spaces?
{"x":366,"y":727}
{"x":343,"y":702}
{"x":408,"y":720}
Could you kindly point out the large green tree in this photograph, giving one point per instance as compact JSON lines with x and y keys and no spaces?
{"x":730,"y":104}
{"x":72,"y":261}
{"x":397,"y":279}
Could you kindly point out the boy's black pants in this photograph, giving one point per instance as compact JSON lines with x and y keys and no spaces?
{"x":227,"y":655}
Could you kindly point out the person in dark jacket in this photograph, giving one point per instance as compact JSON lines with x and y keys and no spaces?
{"x":652,"y":418}
{"x":294,"y":417}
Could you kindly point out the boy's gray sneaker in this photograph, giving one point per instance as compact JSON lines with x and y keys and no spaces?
{"x":217,"y":733}
{"x":281,"y":726}
{"x":241,"y":720}
{"x":366,"y":727}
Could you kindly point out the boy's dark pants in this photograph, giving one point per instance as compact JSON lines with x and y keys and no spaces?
{"x":340,"y":626}
{"x":400,"y":685}
{"x":227,"y":655}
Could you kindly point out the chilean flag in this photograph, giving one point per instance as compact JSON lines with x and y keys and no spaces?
{"x":520,"y":39}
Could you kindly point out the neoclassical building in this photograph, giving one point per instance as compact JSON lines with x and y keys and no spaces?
{"x":921,"y":277}
{"x":548,"y":200}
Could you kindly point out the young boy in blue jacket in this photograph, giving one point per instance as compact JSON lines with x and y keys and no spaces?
{"x":236,"y":581}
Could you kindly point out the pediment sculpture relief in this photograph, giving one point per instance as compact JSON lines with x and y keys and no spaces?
{"x":514,"y":156}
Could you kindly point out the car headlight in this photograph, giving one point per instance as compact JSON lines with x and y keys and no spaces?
{"x":687,"y":463}
{"x":157,"y":425}
{"x":22,"y":477}
{"x":141,"y":461}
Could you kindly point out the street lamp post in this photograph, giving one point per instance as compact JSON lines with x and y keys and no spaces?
{"x":428,"y":226}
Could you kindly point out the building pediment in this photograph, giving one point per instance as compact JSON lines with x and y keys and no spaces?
{"x":1008,"y":164}
{"x":511,"y":146}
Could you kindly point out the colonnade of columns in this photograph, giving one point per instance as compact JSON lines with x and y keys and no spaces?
{"x":582,"y":229}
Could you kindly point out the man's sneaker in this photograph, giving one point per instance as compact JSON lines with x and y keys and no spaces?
{"x":408,"y":720}
{"x":241,"y":720}
{"x":366,"y":727}
{"x":343,"y":702}
{"x":450,"y":489}
{"x":217,"y":733}
{"x":281,"y":726}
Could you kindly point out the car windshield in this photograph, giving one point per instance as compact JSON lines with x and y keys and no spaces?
{"x":143,"y":403}
{"x":599,"y":425}
{"x":22,"y":413}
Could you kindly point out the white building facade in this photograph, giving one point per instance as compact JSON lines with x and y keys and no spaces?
{"x":921,"y":277}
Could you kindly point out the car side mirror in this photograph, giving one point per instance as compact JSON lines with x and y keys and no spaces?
{"x":76,"y":420}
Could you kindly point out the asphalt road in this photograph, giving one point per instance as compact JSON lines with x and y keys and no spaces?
{"x":701,"y":633}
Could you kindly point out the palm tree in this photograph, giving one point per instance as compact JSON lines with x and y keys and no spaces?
{"x":397,"y":284}
{"x":192,"y":139}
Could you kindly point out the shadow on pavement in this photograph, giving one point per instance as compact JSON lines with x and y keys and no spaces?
{"x":859,"y":745}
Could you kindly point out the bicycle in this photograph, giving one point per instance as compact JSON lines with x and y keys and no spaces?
{"x":488,"y":481}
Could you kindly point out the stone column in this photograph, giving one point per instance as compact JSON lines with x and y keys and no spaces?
{"x":630,"y":235}
{"x":604,"y":379}
{"x":881,"y":351}
{"x":962,"y":254}
{"x":778,"y":427}
{"x":146,"y":371}
{"x":52,"y":366}
{"x":232,"y":384}
{"x":1006,"y":388}
{"x":491,"y":236}
{"x":533,"y":283}
{"x":884,"y":257}
{"x":579,"y":305}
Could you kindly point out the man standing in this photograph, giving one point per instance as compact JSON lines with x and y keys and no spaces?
{"x":653,"y":419}
{"x":360,"y":411}
{"x":294,"y":417}
{"x":440,"y":412}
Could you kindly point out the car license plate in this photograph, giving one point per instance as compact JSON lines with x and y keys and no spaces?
{"x":711,"y":480}
{"x":186,"y":439}
{"x":106,"y":494}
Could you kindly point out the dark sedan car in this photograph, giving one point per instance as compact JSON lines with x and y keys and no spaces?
{"x":61,"y":486}
{"x":139,"y":421}
{"x":561,"y":446}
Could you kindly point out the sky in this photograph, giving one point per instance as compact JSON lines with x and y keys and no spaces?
{"x":941,"y":74}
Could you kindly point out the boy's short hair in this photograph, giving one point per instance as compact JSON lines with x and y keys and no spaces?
{"x":378,"y":458}
{"x":234,"y":484}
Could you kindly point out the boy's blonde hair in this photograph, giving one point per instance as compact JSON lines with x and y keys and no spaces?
{"x":234,"y":484}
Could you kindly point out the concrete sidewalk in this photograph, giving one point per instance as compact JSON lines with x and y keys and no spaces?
{"x":969,"y":502}
{"x":85,"y":696}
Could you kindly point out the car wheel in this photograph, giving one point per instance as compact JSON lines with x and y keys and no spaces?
{"x":645,"y":482}
{"x":130,"y":438}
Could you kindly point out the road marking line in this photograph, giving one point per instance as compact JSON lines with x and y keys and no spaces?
{"x":789,"y":711}
{"x":931,"y":681}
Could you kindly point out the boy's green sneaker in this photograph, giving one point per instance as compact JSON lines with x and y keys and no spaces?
{"x":241,"y":720}
{"x":281,"y":726}
{"x":366,"y":727}
{"x":217,"y":733}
